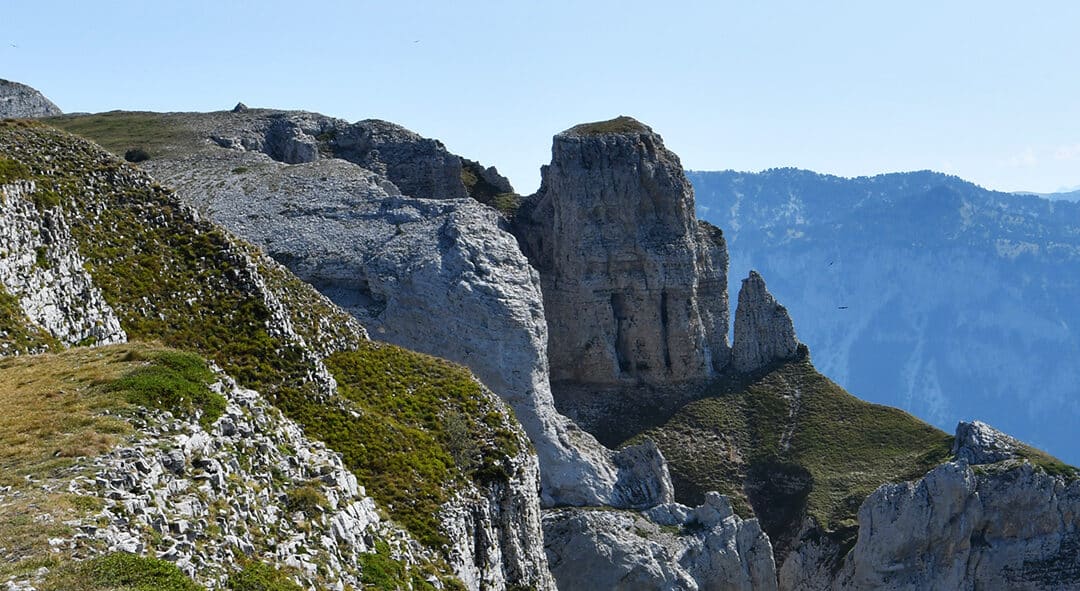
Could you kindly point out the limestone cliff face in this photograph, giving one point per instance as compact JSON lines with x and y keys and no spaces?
{"x":634,"y":286}
{"x":19,"y":101}
{"x":763,"y":329}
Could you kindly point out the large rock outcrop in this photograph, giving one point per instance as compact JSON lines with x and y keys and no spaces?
{"x":418,"y":166}
{"x":437,"y":276}
{"x":670,"y":547}
{"x":19,"y":101}
{"x":763,"y":330}
{"x":635,"y":288}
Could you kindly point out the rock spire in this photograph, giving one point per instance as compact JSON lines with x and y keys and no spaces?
{"x":763,"y":329}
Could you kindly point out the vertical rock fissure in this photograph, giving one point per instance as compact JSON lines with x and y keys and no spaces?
{"x":664,"y":324}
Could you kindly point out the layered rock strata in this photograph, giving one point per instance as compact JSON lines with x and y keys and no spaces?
{"x":19,"y":101}
{"x":635,"y":288}
{"x":764,"y":332}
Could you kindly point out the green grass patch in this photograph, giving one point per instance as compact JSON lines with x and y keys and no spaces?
{"x":1048,"y":463}
{"x":177,"y":382}
{"x":120,"y":571}
{"x":424,"y":428}
{"x":257,"y":576}
{"x":380,"y":571}
{"x":12,"y":170}
{"x":622,"y":124}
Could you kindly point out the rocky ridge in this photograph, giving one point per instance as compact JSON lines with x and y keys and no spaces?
{"x":250,"y":486}
{"x":19,"y":101}
{"x":495,"y":522}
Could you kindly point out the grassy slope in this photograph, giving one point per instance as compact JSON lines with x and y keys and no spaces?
{"x":160,"y":134}
{"x":790,"y":442}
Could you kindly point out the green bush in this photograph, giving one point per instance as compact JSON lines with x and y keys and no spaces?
{"x":257,"y":576}
{"x":136,"y":155}
{"x":135,"y":573}
{"x":306,"y":499}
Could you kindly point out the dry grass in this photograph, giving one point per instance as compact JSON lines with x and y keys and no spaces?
{"x":51,"y":409}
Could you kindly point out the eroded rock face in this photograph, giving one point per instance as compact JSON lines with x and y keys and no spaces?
{"x":417,"y":166}
{"x":669,"y":547}
{"x":634,"y":286}
{"x":19,"y":101}
{"x":41,"y":267}
{"x":763,"y":329}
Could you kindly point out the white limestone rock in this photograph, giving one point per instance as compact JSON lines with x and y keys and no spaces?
{"x":979,"y":443}
{"x":1008,"y":526}
{"x":19,"y":101}
{"x":41,"y":267}
{"x":668,"y":547}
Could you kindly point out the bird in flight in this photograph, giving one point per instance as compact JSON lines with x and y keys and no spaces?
{"x":15,"y":45}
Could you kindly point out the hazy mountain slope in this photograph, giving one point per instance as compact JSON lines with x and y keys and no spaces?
{"x":920,"y":290}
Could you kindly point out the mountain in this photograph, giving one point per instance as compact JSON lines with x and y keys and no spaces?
{"x":920,"y":290}
{"x":233,"y":426}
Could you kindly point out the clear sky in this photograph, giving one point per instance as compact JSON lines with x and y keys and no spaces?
{"x":984,"y":89}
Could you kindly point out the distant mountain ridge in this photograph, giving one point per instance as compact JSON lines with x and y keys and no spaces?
{"x":920,"y":290}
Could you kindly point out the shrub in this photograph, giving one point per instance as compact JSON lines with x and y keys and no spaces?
{"x":136,"y":155}
{"x":306,"y":499}
{"x":137,"y":573}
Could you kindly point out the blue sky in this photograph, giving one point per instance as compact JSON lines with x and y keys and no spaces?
{"x":983,"y":89}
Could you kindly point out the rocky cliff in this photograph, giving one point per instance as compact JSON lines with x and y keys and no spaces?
{"x":472,"y":513}
{"x":19,"y":101}
{"x":635,"y":289}
{"x":439,"y":276}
